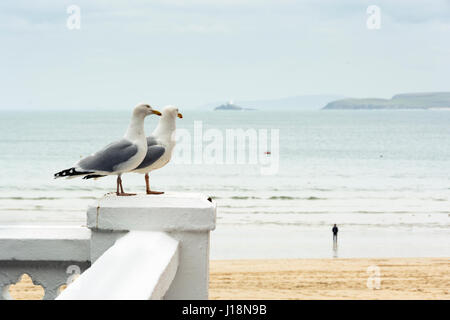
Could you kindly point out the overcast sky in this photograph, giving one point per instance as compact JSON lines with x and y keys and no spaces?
{"x":193,"y":52}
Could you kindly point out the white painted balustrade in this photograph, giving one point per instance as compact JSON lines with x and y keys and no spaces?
{"x":138,"y":258}
{"x":140,"y":247}
{"x":51,"y":256}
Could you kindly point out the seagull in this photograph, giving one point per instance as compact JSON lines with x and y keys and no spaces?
{"x":160,"y":145}
{"x":118,"y":157}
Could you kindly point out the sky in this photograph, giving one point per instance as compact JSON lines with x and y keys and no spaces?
{"x":190,"y":53}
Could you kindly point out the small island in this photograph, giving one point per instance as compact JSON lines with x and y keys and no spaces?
{"x":231,"y":106}
{"x":417,"y":101}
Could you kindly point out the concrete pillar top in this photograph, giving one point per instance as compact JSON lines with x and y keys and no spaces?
{"x":166,"y":212}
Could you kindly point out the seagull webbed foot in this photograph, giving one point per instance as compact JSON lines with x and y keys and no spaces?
{"x":124,"y":194}
{"x":154,"y":192}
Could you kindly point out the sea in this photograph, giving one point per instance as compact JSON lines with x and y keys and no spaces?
{"x":382,"y":176}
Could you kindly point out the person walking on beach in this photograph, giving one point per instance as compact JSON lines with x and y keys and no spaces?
{"x":335,"y":232}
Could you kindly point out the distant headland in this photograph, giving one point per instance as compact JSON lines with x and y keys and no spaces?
{"x":231,"y":106}
{"x":425,"y":100}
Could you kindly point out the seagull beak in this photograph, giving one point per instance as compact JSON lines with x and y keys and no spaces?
{"x":156,"y":112}
{"x":180,"y":116}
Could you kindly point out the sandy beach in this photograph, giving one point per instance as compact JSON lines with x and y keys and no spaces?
{"x":400,"y":278}
{"x":405,"y":278}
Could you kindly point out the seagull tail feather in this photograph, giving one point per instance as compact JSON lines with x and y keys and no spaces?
{"x":93,"y":176}
{"x":71,"y":172}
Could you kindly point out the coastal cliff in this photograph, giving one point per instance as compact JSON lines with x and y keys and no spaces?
{"x":428,"y":100}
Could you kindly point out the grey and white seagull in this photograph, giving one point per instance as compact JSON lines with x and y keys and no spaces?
{"x":160,"y":145}
{"x":118,"y":157}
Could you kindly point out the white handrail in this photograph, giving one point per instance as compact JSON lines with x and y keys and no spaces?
{"x":140,"y":265}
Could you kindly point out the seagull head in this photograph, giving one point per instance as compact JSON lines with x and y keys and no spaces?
{"x":171,"y":112}
{"x":143,"y":110}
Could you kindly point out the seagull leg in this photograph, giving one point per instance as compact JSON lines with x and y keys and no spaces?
{"x":122,"y":193}
{"x":147,"y":186}
{"x":120,"y":185}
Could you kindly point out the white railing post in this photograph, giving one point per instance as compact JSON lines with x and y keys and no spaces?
{"x":188,"y":218}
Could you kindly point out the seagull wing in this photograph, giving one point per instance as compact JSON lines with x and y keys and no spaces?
{"x":154,"y":152}
{"x":107,"y":159}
